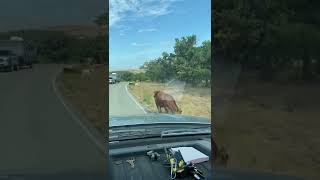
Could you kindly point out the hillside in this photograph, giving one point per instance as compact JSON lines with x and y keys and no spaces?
{"x":89,"y":31}
{"x":80,"y":30}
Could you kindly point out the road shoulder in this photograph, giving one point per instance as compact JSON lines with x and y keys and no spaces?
{"x":80,"y":119}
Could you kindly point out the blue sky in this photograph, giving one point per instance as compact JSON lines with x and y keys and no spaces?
{"x":140,"y":30}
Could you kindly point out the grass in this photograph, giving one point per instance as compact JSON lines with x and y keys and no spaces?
{"x":88,"y":95}
{"x":271,"y":127}
{"x":194,"y":101}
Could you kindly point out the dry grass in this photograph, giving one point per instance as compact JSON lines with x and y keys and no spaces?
{"x":88,"y":95}
{"x":272,"y":127}
{"x":194,"y":101}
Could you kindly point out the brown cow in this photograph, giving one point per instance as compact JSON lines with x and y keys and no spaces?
{"x":166,"y":101}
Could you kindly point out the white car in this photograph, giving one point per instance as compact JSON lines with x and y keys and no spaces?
{"x":112,"y":80}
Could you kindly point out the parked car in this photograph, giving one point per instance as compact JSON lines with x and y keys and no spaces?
{"x":8,"y":61}
{"x":112,"y":80}
{"x":25,"y":52}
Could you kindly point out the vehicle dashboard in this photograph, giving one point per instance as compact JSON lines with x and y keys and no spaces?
{"x":144,"y":167}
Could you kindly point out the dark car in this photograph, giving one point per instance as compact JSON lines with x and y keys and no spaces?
{"x":8,"y":61}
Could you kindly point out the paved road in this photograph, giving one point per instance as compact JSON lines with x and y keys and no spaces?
{"x":121,"y":102}
{"x":37,"y":132}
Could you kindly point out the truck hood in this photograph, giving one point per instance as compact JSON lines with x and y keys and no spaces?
{"x":155,"y":118}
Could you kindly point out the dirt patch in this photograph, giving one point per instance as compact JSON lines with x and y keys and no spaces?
{"x":192,"y":101}
{"x":87,"y":93}
{"x":271,"y":127}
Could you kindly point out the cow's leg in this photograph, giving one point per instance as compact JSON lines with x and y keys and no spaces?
{"x":175,"y":109}
{"x":166,"y":108}
{"x":159,"y":109}
{"x":171,"y":109}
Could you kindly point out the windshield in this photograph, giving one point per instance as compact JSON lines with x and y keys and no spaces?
{"x":163,"y":70}
{"x":160,"y":57}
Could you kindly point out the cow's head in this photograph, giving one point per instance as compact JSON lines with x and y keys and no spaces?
{"x":155,"y":93}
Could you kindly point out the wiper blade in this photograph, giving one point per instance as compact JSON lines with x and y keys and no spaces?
{"x":185,"y":132}
{"x":127,"y":134}
{"x":130,"y":134}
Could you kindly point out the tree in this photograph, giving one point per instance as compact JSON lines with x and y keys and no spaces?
{"x":102,"y":20}
{"x":268,"y":35}
{"x":155,"y":70}
{"x":185,"y":61}
{"x":188,"y":63}
{"x":128,"y":76}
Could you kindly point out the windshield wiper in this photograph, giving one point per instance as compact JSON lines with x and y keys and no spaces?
{"x":185,"y":132}
{"x":127,"y":134}
{"x":131,"y":134}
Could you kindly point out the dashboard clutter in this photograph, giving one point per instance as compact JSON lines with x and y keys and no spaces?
{"x":153,"y":155}
{"x":191,"y":155}
{"x":192,"y":170}
{"x":118,"y":162}
{"x":179,"y":168}
{"x":131,"y":162}
{"x":176,"y":162}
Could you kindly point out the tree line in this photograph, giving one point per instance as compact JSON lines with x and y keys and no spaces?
{"x":130,"y":76}
{"x":189,"y":63}
{"x":269,"y":36}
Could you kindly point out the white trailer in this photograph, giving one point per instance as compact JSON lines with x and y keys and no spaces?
{"x":24,"y":51}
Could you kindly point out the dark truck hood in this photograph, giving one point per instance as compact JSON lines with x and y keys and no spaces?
{"x":155,"y":118}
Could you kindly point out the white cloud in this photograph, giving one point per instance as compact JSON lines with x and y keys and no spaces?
{"x":147,"y":30}
{"x":119,"y":9}
{"x":140,"y":44}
